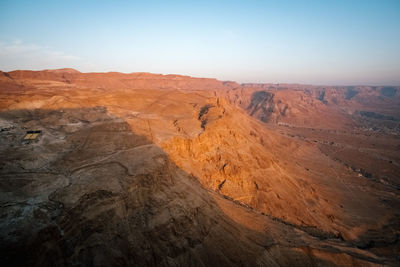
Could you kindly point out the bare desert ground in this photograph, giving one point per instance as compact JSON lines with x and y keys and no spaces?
{"x":165,"y":170}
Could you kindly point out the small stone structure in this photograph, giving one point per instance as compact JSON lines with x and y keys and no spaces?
{"x":31,"y":136}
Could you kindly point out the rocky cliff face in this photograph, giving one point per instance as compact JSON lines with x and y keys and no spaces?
{"x":309,"y":106}
{"x":177,"y":173}
{"x":106,"y":197}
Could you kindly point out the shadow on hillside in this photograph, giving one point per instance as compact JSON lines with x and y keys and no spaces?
{"x":90,"y":192}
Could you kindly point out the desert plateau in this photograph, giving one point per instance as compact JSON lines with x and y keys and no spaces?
{"x":144,"y":169}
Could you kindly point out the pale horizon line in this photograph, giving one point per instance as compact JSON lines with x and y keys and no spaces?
{"x":214,"y":78}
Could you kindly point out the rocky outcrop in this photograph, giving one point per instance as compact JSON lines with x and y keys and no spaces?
{"x":261,"y":105}
{"x":142,"y":169}
{"x":108,"y":197}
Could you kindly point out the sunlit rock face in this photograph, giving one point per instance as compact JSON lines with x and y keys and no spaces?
{"x":167,"y":170}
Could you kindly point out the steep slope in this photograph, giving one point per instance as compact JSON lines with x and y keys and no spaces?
{"x":320,"y":107}
{"x":93,"y":193}
{"x":285,"y":177}
{"x":275,"y":168}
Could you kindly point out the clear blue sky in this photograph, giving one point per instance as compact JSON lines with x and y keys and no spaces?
{"x":319,"y":42}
